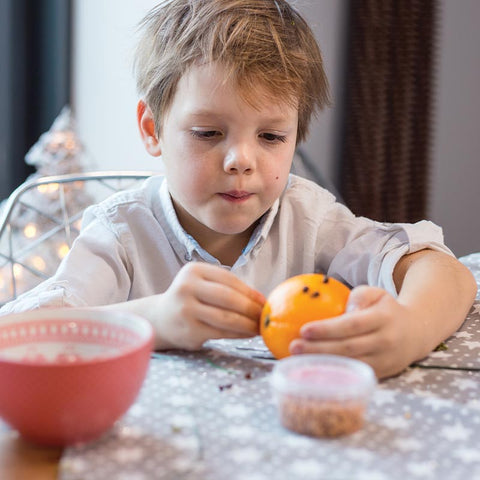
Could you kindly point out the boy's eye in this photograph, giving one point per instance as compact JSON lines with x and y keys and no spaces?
{"x":205,"y":134}
{"x":272,"y":137}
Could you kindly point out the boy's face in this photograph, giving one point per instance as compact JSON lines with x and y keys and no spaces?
{"x":226,"y":162}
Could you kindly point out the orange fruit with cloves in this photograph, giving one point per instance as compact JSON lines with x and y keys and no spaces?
{"x":296,"y":301}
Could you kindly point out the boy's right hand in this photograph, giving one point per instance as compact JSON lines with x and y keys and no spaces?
{"x":203,"y":302}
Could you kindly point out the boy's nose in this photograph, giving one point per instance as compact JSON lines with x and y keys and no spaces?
{"x":239,"y":160}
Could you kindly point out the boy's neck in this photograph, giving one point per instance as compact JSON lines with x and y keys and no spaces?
{"x":225,"y":248}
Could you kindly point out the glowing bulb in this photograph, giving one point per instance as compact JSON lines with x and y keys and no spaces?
{"x":63,"y":249}
{"x":39,"y":263}
{"x":48,"y":188}
{"x":17,"y":271}
{"x":30,"y":230}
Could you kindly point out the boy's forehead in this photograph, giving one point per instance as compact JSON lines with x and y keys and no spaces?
{"x":207,"y":83}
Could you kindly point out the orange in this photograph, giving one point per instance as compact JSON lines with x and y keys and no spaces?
{"x":296,"y":301}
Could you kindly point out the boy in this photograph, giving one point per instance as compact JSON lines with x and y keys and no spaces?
{"x":228,"y":89}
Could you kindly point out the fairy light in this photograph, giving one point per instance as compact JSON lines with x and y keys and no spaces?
{"x":57,"y":152}
{"x":63,"y":249}
{"x":17,"y":271}
{"x":39,"y":263}
{"x":48,"y":188}
{"x":52,"y":187}
{"x":30,"y":230}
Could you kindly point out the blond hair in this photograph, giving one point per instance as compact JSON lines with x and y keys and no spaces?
{"x":259,"y":42}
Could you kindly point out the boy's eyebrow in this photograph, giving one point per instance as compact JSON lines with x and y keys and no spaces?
{"x":209,"y":113}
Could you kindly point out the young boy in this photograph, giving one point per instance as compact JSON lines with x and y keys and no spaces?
{"x":228,"y":89}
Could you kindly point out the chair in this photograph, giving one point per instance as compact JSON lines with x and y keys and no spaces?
{"x":41,"y":218}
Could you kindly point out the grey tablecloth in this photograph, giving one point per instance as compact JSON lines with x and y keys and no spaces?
{"x":210,"y":415}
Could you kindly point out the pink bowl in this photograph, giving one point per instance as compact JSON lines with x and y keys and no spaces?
{"x":66,"y":375}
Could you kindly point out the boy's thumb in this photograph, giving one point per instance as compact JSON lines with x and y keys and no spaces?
{"x":362,"y":297}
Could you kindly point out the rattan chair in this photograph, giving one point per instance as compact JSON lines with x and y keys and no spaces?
{"x":41,"y":218}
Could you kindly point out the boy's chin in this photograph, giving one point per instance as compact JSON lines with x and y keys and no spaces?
{"x":234,"y":228}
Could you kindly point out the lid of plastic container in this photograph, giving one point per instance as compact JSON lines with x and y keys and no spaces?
{"x":323,"y":376}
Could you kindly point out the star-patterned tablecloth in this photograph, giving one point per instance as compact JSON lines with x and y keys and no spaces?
{"x":210,"y":415}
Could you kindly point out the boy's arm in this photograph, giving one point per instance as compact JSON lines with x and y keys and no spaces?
{"x":203,"y":302}
{"x":436,"y":292}
{"x":439,"y":290}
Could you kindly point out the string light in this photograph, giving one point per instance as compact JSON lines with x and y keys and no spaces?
{"x":30,"y":230}
{"x":48,"y":188}
{"x":39,"y":263}
{"x":37,"y":222}
{"x":17,"y":271}
{"x":63,"y":249}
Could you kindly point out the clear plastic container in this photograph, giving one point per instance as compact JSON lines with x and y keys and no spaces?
{"x":322,"y":395}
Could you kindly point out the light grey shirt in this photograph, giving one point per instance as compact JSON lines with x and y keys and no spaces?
{"x":132,"y":245}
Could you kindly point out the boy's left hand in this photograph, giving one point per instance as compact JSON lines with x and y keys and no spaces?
{"x":376,"y":329}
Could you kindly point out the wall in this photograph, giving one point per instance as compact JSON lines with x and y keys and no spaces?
{"x":455,"y":186}
{"x":104,"y":93}
{"x":104,"y":100}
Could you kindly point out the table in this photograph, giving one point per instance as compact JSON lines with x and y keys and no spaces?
{"x":210,"y":415}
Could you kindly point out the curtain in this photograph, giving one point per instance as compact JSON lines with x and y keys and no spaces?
{"x":388,"y":114}
{"x":35,"y":44}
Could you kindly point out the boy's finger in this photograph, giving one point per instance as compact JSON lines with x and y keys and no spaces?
{"x":227,"y":320}
{"x":230,"y":299}
{"x":363,"y":296}
{"x":228,"y":279}
{"x":347,"y":325}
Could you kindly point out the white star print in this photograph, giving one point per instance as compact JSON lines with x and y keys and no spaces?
{"x":246,"y":455}
{"x":415,"y":375}
{"x":455,"y":432}
{"x":241,"y":432}
{"x":253,"y":476}
{"x":128,"y":455}
{"x":178,"y":381}
{"x":462,"y":335}
{"x":307,"y":468}
{"x":296,"y":441}
{"x":408,"y":444}
{"x":436,"y":403}
{"x":440,"y":354}
{"x":180,"y":400}
{"x":471,"y":345}
{"x":185,"y":442}
{"x":182,"y":421}
{"x":369,"y":475}
{"x":474,"y":404}
{"x":476,"y":308}
{"x":382,"y":397}
{"x":360,"y":454}
{"x":422,"y":469}
{"x":465,"y":383}
{"x":467,"y":455}
{"x":232,"y":410}
{"x":396,"y":422}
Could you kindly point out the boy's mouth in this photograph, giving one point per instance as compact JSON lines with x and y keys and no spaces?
{"x":236,"y":196}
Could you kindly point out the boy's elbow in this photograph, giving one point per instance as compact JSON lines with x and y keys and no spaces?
{"x":470,"y":282}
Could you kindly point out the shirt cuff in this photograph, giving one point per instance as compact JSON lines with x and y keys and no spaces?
{"x":412,"y":238}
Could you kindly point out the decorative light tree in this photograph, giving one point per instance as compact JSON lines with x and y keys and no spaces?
{"x":46,"y":221}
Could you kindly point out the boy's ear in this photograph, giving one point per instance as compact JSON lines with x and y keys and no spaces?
{"x":146,"y":125}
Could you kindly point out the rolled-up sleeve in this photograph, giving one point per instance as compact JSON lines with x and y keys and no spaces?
{"x":363,"y":251}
